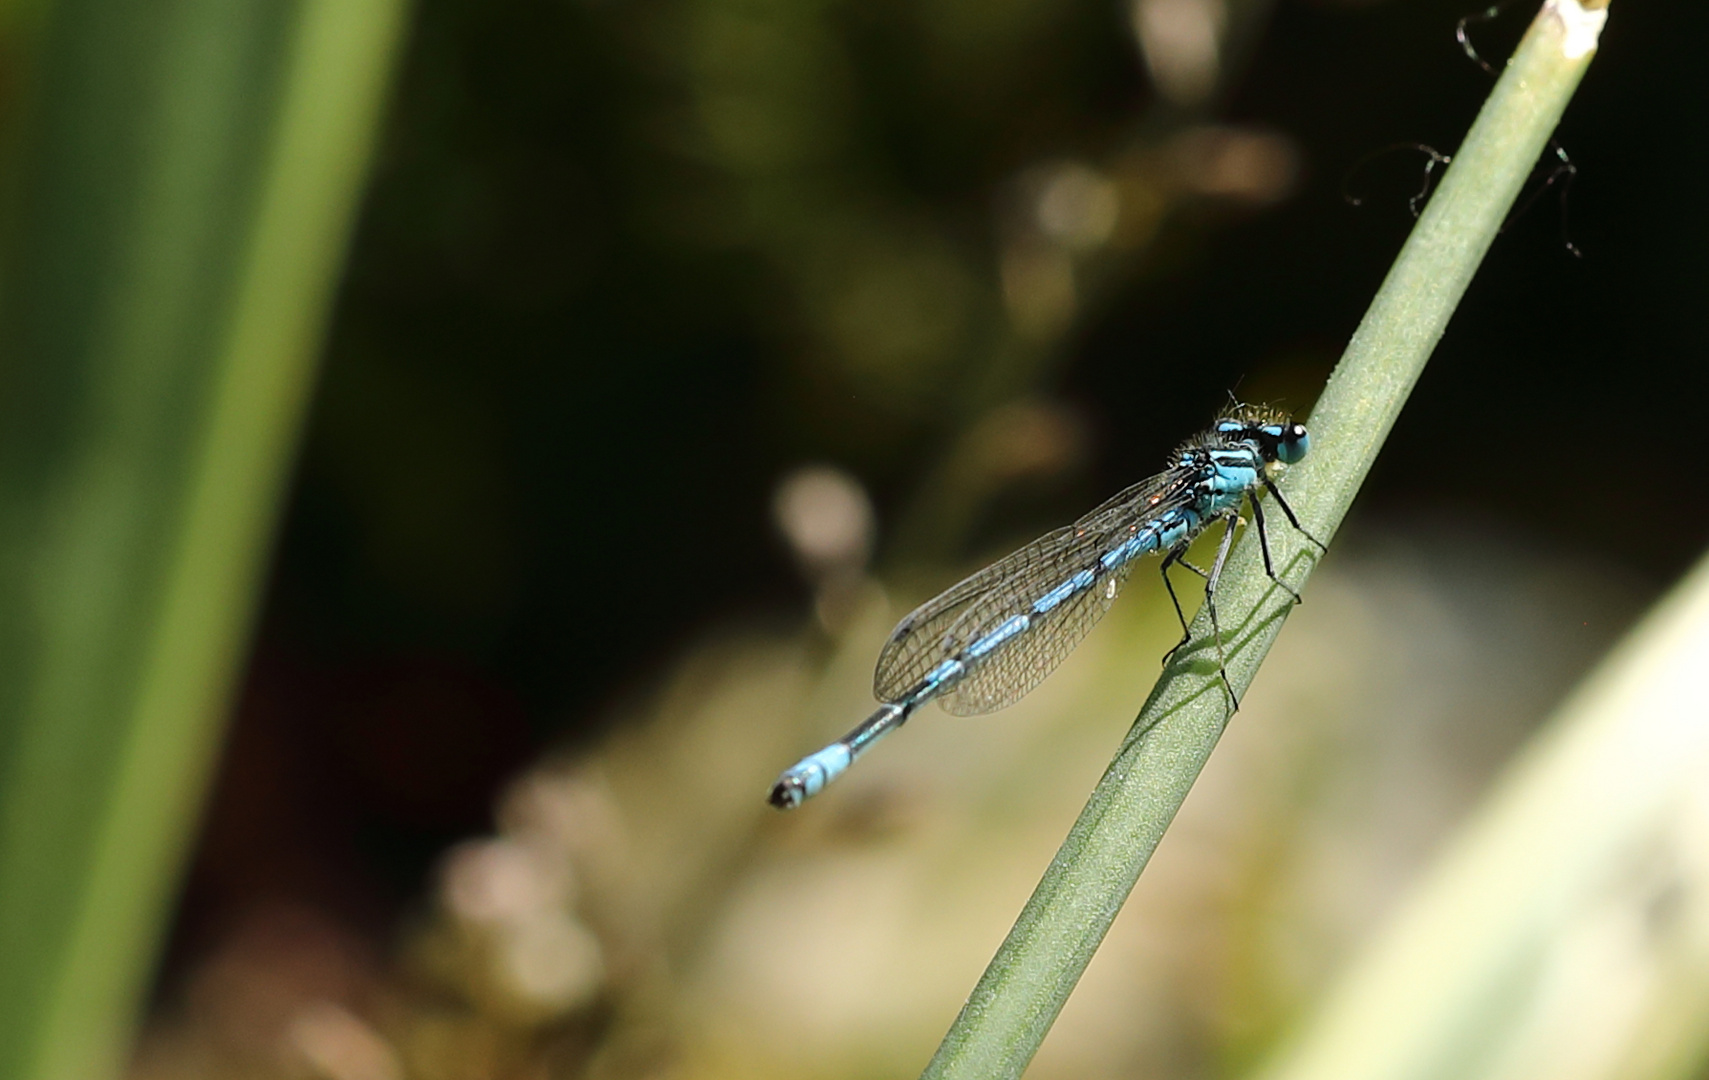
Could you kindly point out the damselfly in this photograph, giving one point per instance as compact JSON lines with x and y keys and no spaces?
{"x":983,"y":644}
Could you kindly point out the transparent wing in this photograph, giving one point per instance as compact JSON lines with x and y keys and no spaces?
{"x":923,"y":639}
{"x":1136,"y":503}
{"x":1011,"y":672}
{"x":947,"y":624}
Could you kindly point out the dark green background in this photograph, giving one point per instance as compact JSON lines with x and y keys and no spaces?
{"x":566,"y":369}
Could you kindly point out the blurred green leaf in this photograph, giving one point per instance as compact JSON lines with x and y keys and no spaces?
{"x":187,"y":178}
{"x":1564,"y":931}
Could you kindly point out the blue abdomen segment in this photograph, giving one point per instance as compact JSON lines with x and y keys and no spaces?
{"x":1172,"y":527}
{"x":1077,"y":584}
{"x":1176,"y":526}
{"x":1008,"y":629}
{"x":946,"y":672}
{"x":1142,"y":542}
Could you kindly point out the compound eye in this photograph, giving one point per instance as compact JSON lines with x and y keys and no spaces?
{"x":1293,"y":444}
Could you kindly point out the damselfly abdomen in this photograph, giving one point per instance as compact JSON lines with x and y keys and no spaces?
{"x":986,"y":642}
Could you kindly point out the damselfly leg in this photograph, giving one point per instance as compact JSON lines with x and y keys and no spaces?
{"x":1264,"y":546}
{"x":1178,"y":554}
{"x":1293,"y":519}
{"x":1233,"y":519}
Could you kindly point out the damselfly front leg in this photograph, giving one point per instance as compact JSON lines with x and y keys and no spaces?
{"x":1264,"y":546}
{"x":1293,"y":519}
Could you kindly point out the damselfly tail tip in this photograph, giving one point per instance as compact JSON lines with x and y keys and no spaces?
{"x":807,"y":777}
{"x":788,"y":793}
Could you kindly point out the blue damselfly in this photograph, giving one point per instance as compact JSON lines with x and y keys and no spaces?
{"x":986,"y":642}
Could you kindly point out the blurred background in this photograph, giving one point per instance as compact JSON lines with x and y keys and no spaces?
{"x":682,"y":346}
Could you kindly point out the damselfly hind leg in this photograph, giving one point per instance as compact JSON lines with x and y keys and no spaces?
{"x":1233,"y":519}
{"x":1177,"y":554}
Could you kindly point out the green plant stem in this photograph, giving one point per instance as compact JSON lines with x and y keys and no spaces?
{"x":188,"y":182}
{"x":1017,"y":999}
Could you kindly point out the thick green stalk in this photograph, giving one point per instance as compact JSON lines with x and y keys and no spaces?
{"x":188,"y":181}
{"x":1016,"y":1001}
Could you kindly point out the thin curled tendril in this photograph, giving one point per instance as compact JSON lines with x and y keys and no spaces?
{"x":1563,"y":170}
{"x":1425,"y":187}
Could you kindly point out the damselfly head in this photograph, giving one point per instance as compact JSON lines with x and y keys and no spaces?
{"x":1278,"y":437}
